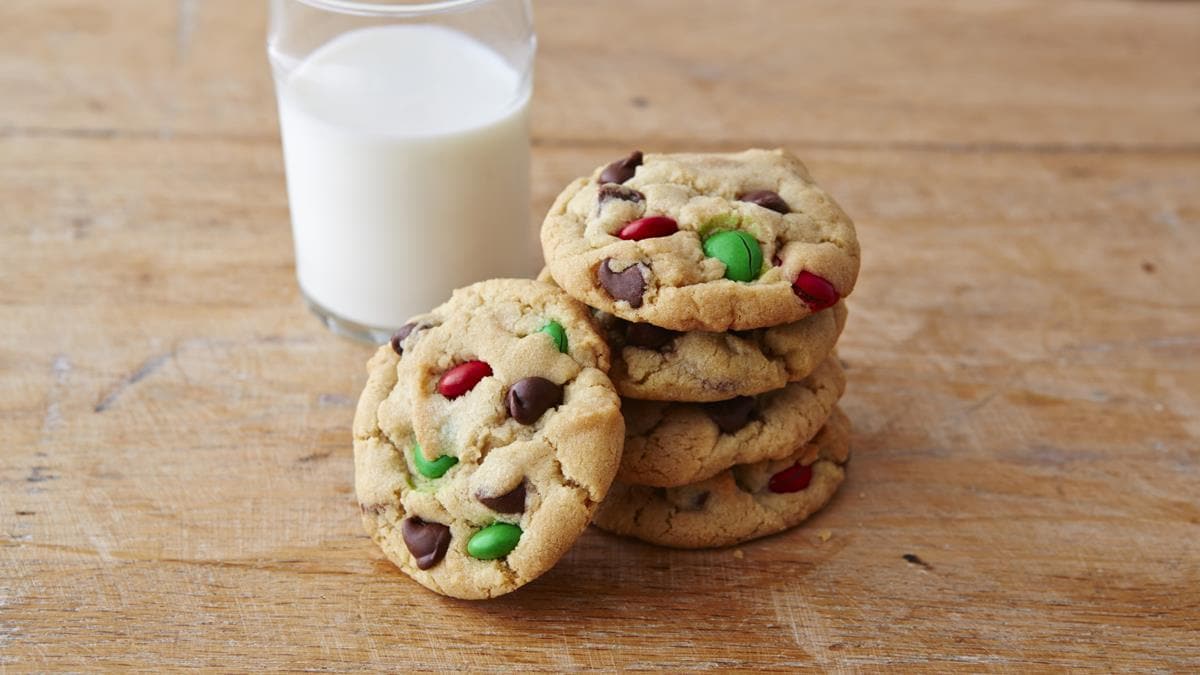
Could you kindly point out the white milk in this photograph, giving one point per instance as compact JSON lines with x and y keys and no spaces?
{"x":407,"y":152}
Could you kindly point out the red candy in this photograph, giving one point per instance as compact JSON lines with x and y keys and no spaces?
{"x":462,"y":378}
{"x":792,"y":479}
{"x":651,"y":226}
{"x":817,"y":293}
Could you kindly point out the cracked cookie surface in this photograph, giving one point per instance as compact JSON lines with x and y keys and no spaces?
{"x":656,"y":364}
{"x":702,"y":242}
{"x":651,"y":363}
{"x":486,"y":437}
{"x":742,"y":503}
{"x":673,"y":443}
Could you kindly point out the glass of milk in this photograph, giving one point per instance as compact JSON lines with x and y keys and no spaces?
{"x":406,"y":143}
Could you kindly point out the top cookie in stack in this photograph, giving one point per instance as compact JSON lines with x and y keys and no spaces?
{"x":707,"y":242}
{"x":718,"y":279}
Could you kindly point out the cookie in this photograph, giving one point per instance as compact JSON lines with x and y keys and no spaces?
{"x":742,"y":503}
{"x":673,"y":443}
{"x":485,"y":438}
{"x":702,"y":242}
{"x":657,"y":364}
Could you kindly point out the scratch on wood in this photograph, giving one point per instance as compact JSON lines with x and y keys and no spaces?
{"x":334,"y":401}
{"x":185,"y":27}
{"x":914,"y":559}
{"x":1170,"y":217}
{"x":808,"y":627}
{"x":1185,"y":341}
{"x":314,"y":457}
{"x":143,"y":371}
{"x":53,"y":419}
{"x":38,"y":475}
{"x":80,"y":227}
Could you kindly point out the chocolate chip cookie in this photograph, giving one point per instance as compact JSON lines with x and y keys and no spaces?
{"x":671,"y":444}
{"x":485,"y":437}
{"x":702,"y":242}
{"x":657,"y":364}
{"x":739,"y":504}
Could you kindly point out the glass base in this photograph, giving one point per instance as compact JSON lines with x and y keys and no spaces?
{"x":347,"y":328}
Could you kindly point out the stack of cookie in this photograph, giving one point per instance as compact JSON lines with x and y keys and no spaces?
{"x":718,"y":280}
{"x":705,"y":290}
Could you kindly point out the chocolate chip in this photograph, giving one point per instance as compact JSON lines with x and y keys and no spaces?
{"x":426,"y":541}
{"x":610,"y":191}
{"x":622,"y":169}
{"x":398,"y":336}
{"x":742,"y":482}
{"x":529,"y":398}
{"x":627,"y":285}
{"x":731,"y":415}
{"x":700,"y":499}
{"x":512,"y":501}
{"x":766,"y":199}
{"x":648,"y":336}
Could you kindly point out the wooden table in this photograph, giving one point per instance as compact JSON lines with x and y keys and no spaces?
{"x":1024,"y":347}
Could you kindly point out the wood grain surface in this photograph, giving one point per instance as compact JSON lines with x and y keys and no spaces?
{"x":1023,"y":347}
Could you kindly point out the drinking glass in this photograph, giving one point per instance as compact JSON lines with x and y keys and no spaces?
{"x":406,"y":145}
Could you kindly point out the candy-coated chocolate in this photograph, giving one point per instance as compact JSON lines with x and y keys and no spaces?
{"x":649,"y":227}
{"x":792,"y":479}
{"x":494,"y":541}
{"x":557,"y":333}
{"x":432,"y":468}
{"x":815,"y":291}
{"x":462,"y":378}
{"x":739,"y":251}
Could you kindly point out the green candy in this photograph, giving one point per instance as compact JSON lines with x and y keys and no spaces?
{"x":739,"y":251}
{"x":557,"y":333}
{"x":435,"y":468}
{"x":494,"y":541}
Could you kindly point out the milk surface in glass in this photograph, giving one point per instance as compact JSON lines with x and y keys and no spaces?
{"x":407,"y":152}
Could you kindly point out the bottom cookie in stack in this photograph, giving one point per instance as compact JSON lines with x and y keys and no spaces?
{"x":742,"y":503}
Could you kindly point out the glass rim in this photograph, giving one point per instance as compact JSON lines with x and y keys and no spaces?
{"x":389,"y":9}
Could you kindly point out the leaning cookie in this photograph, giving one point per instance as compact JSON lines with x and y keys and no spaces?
{"x":671,"y":444}
{"x":742,"y":503}
{"x":702,"y":242}
{"x":482,"y":452}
